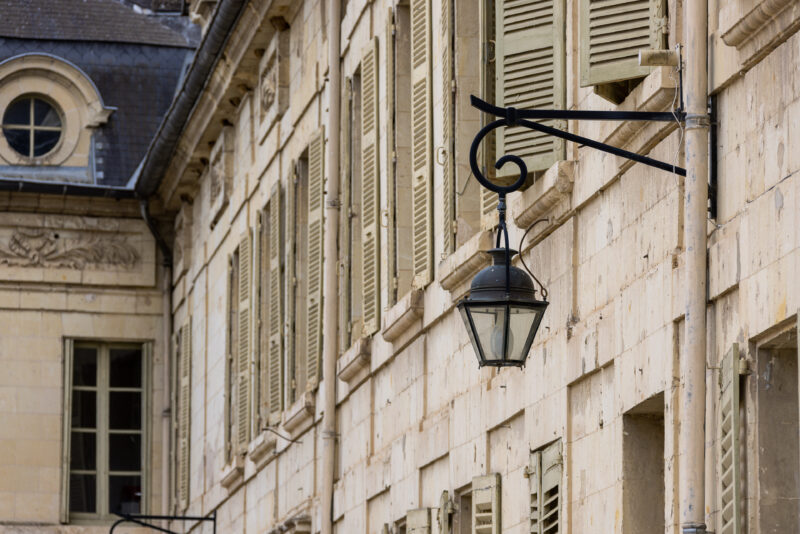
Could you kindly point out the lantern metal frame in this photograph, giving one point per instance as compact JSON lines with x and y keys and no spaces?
{"x":512,"y":117}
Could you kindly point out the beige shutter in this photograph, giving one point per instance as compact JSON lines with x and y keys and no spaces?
{"x":488,"y":148}
{"x":184,"y":411}
{"x":729,"y":467}
{"x":291,"y":284}
{"x":385,"y":529}
{"x":260,"y":285}
{"x":243,"y":353}
{"x":486,"y":504}
{"x":315,"y":227}
{"x":448,"y":137}
{"x":370,"y":190}
{"x":391,"y":244}
{"x":275,"y":342}
{"x":552,"y":469}
{"x":346,"y":226}
{"x":418,"y":521}
{"x":613,"y":32}
{"x":231,"y":298}
{"x":534,"y":474}
{"x":530,"y":73}
{"x":421,"y":142}
{"x":444,"y":512}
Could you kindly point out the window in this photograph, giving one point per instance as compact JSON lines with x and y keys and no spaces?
{"x":269,"y":373}
{"x":611,"y":35}
{"x":304,"y":261}
{"x":32,"y":126}
{"x":104,"y":430}
{"x":237,"y":383}
{"x":643,"y":484}
{"x":462,"y":515}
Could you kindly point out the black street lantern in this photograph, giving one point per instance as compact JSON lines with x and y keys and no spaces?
{"x":501,"y":312}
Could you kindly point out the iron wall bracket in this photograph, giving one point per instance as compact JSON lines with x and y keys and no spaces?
{"x":140,"y":519}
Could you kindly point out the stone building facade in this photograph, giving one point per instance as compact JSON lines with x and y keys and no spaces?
{"x":585,"y":437}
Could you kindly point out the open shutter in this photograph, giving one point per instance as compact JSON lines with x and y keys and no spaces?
{"x":260,"y":326}
{"x":345,"y":228}
{"x":274,"y":381}
{"x":184,"y":411}
{"x":391,"y":244}
{"x":448,"y":137}
{"x":486,"y":504}
{"x":552,"y":470}
{"x":315,"y":229}
{"x":418,"y":521}
{"x":370,"y":190}
{"x":534,"y":474}
{"x":530,"y":73}
{"x":66,"y":437}
{"x":243,"y":353}
{"x":421,"y":142}
{"x":230,"y":312}
{"x":291,"y":282}
{"x":613,"y":32}
{"x":729,"y":467}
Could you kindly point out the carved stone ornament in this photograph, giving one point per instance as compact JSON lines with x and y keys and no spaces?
{"x":36,"y":247}
{"x":269,"y":87}
{"x":220,"y":173}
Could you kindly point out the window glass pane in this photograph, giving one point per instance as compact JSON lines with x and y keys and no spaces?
{"x":84,"y":366}
{"x":82,"y":490}
{"x":44,"y":114}
{"x":124,"y":452}
{"x":19,"y":140}
{"x":44,"y":141}
{"x":124,"y":410}
{"x":84,"y":409}
{"x":124,"y":494}
{"x":83,"y":452}
{"x":126,"y":368}
{"x":18,"y":113}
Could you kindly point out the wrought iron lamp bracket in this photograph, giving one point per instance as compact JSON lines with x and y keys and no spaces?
{"x":139,"y":519}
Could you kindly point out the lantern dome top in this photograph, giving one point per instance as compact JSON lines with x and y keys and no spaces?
{"x":490,"y":282}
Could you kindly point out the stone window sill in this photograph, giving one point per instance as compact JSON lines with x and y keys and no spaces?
{"x":353,"y":366}
{"x":300,"y":413}
{"x":457,"y":270}
{"x":233,"y":473}
{"x":261,"y":447}
{"x":759,"y":30}
{"x":402,"y":315}
{"x":549,"y":197}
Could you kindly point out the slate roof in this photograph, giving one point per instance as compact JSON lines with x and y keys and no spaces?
{"x":85,"y":20}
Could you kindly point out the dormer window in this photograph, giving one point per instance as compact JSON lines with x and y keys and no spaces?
{"x":32,"y":126}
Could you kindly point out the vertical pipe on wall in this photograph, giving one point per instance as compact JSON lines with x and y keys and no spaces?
{"x":691,"y":434}
{"x":331,"y":290}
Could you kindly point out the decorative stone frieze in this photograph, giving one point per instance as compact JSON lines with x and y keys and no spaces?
{"x":59,"y":248}
{"x":182,"y":247}
{"x":273,"y":84}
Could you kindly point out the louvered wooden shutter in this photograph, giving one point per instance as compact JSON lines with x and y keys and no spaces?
{"x":243,"y":353}
{"x":230,"y":309}
{"x":345,"y":228}
{"x":613,"y":32}
{"x":315,"y":226}
{"x":552,"y":469}
{"x":184,"y":411}
{"x":534,"y":474}
{"x":531,"y":73}
{"x":418,"y":521}
{"x":275,"y":343}
{"x":391,"y":245}
{"x":488,"y":148}
{"x":729,"y":467}
{"x":370,"y":190}
{"x":486,"y":504}
{"x":421,"y":142}
{"x":448,"y":112}
{"x":291,"y":281}
{"x":444,"y":512}
{"x":260,"y":271}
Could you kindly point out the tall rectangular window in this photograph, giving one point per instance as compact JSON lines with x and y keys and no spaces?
{"x":105,"y":429}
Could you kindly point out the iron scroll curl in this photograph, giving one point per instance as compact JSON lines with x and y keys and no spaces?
{"x":508,"y":158}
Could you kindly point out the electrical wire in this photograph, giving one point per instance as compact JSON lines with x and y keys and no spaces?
{"x":522,"y":258}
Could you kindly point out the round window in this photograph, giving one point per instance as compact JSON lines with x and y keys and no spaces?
{"x":32,"y":126}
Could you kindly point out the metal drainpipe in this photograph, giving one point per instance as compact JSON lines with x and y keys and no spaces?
{"x":691,"y":433}
{"x":330,"y":297}
{"x":166,"y":326}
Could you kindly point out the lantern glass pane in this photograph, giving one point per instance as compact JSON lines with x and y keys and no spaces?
{"x":522,"y":320}
{"x":489,"y":324}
